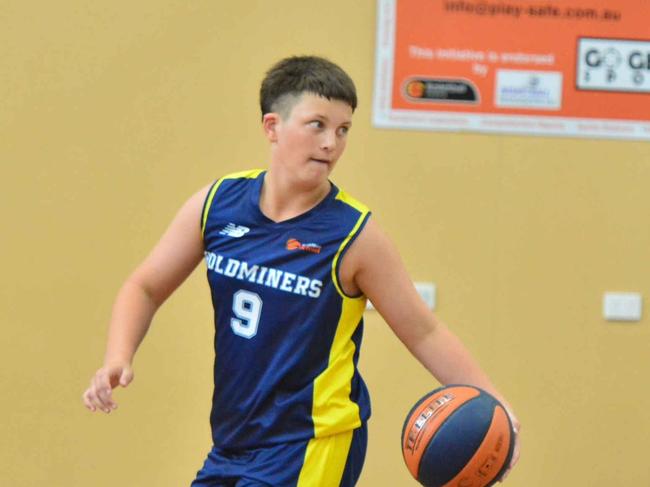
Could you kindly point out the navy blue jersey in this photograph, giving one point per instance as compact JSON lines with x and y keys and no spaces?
{"x":287,"y":336}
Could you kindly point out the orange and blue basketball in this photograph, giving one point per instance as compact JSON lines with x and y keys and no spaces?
{"x":459,"y":436}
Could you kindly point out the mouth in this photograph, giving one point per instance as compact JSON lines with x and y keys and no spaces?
{"x":321,"y":161}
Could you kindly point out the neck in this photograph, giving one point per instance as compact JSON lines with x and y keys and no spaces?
{"x":284,"y":197}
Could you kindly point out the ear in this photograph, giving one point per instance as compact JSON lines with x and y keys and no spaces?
{"x":270,"y":123}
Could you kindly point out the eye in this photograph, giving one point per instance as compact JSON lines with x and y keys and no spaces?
{"x":344,"y":130}
{"x":316,"y":124}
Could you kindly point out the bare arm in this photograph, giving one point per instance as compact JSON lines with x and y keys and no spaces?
{"x":170,"y":262}
{"x":374,"y":267}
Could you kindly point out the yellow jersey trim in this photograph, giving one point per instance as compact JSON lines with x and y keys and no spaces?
{"x":364,"y":210}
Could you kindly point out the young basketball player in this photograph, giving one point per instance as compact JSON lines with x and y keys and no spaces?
{"x":290,"y":261}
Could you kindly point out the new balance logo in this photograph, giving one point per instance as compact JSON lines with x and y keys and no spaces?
{"x":232,"y":230}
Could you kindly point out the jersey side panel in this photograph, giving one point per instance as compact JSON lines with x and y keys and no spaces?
{"x":337,"y":392}
{"x":333,"y":409}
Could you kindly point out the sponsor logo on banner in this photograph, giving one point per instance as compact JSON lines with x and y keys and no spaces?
{"x":528,"y":89}
{"x":613,"y":65}
{"x":440,"y":90}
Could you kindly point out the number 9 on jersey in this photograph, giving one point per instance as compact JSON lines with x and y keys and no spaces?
{"x":247,"y":307}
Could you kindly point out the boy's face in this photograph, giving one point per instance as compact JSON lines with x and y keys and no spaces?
{"x":310,"y":140}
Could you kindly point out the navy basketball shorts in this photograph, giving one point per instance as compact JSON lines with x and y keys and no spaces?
{"x":332,"y":461}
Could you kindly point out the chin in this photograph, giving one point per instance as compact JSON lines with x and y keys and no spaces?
{"x":317,"y":175}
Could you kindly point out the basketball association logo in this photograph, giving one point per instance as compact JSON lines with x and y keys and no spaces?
{"x":294,"y":244}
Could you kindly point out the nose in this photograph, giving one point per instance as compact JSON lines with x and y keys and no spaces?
{"x":328,"y":140}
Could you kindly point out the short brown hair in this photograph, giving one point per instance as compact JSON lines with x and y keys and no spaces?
{"x":293,"y":76}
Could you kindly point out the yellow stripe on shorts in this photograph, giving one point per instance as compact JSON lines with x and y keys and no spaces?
{"x":325,"y":460}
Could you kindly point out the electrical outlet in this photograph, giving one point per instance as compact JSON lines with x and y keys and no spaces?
{"x":622,"y":306}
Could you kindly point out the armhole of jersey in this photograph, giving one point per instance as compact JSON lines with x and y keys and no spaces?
{"x":336,"y":264}
{"x":207,"y":204}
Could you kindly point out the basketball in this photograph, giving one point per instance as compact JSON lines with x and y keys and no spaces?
{"x":458,"y":436}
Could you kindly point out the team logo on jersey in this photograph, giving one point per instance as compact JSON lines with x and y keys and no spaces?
{"x":293,"y":244}
{"x":232,"y":230}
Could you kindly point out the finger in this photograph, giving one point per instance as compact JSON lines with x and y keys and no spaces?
{"x":95,"y":401}
{"x":515,"y":456}
{"x":108,"y":400}
{"x":126,"y":377}
{"x":87,"y":401}
{"x":102,"y":392}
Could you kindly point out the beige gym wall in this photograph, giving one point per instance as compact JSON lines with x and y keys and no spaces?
{"x":113,"y":113}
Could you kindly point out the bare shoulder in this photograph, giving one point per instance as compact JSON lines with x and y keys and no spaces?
{"x":371,"y":243}
{"x":185,"y":228}
{"x":197,"y":200}
{"x":189,"y":217}
{"x":376,"y":269}
{"x":376,"y":254}
{"x":178,"y":251}
{"x":366,"y":258}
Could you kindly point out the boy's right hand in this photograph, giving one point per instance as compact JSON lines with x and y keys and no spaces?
{"x":99,"y":394}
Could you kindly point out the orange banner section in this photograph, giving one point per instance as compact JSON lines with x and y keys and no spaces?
{"x":576,"y":68}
